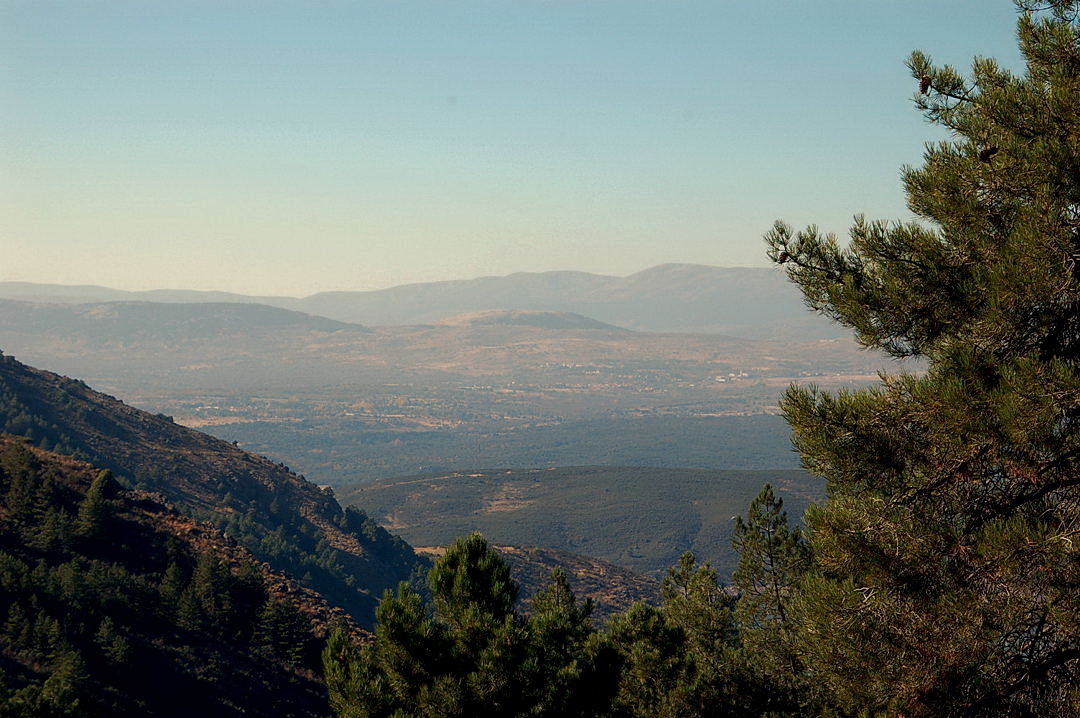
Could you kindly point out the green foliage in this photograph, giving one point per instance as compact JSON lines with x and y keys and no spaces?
{"x":570,"y":681}
{"x":947,"y":575}
{"x":282,"y":631}
{"x":471,"y":581}
{"x":95,"y":508}
{"x":685,"y":659}
{"x":654,"y":673}
{"x":473,"y":654}
{"x":113,"y":644}
{"x":355,"y":689}
{"x":99,"y":623}
{"x":773,"y":558}
{"x":22,"y":417}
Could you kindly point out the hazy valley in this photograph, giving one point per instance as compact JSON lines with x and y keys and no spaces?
{"x":492,"y":388}
{"x":845,"y":484}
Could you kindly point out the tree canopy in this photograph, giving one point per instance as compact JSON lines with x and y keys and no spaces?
{"x":947,"y":570}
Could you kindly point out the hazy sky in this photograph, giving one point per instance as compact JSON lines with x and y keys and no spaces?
{"x":293,"y":147}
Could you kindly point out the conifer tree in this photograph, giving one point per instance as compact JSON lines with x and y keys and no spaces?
{"x":171,"y":587}
{"x":564,"y":676}
{"x":189,"y":611}
{"x":947,"y":578}
{"x":473,"y":654}
{"x":208,"y":582}
{"x":695,"y":602}
{"x":61,"y":692}
{"x":282,"y":631}
{"x":772,"y":558}
{"x":464,"y":660}
{"x":94,"y":509}
{"x":356,"y":688}
{"x":112,"y":643}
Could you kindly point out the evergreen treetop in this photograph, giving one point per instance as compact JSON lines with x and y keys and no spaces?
{"x":947,"y":576}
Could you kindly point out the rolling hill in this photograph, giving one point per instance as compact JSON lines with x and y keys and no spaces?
{"x":639,"y":518}
{"x":125,"y":322}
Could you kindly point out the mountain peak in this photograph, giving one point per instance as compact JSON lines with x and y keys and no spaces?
{"x":527,"y":318}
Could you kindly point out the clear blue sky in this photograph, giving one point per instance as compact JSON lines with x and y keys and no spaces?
{"x":292,"y":147}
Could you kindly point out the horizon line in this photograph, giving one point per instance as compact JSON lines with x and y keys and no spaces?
{"x":8,"y":282}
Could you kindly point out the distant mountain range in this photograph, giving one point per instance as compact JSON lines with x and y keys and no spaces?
{"x":740,"y":301}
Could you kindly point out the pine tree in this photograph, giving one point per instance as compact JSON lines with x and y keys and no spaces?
{"x":208,"y":583}
{"x":172,"y":587}
{"x":947,"y":576}
{"x":562,"y":676}
{"x":772,"y":558}
{"x":17,"y":627}
{"x":61,"y":694}
{"x":95,"y":509}
{"x":469,"y":581}
{"x":54,"y":533}
{"x":112,"y":643}
{"x":652,"y":665}
{"x":282,"y":631}
{"x":466,"y":658}
{"x":474,"y":599}
{"x":189,"y":611}
{"x":355,"y":686}
{"x":20,"y":470}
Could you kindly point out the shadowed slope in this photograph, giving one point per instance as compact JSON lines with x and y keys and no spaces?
{"x":282,"y":518}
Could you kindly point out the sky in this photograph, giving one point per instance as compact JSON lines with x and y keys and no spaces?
{"x":287,"y":148}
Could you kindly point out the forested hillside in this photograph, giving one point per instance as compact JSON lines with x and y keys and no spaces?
{"x":279,"y":516}
{"x":114,"y":604}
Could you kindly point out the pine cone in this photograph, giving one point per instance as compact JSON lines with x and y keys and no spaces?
{"x":924,"y":84}
{"x":782,"y":257}
{"x":987,"y":152}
